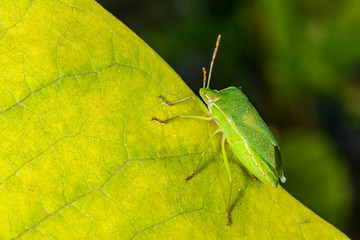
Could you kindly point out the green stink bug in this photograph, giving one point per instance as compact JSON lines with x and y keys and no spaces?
{"x":246,"y":133}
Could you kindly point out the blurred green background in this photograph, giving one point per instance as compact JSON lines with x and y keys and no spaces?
{"x":298,"y":62}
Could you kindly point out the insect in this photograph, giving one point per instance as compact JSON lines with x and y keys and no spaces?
{"x":243,"y":129}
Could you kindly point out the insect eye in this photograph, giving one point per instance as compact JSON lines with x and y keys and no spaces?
{"x":210,"y":100}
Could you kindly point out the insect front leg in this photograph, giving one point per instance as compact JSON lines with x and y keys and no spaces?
{"x":253,"y":177}
{"x":173,"y":103}
{"x":228,"y":216}
{"x":180,"y":116}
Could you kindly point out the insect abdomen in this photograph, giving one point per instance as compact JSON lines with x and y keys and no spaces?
{"x":254,"y":163}
{"x":248,"y":156}
{"x":260,"y":159}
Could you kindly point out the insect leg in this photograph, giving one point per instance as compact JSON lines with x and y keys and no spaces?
{"x":173,"y":103}
{"x":181,"y":116}
{"x":253,"y":177}
{"x":229,"y":173}
{"x":202,"y":155}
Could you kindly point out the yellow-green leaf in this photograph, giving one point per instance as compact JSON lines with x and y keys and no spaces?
{"x":80,"y":157}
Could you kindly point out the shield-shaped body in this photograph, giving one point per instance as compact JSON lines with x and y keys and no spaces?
{"x":247,"y":134}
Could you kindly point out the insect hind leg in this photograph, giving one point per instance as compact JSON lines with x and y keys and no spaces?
{"x":228,"y":210}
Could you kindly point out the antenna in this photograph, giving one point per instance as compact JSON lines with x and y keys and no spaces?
{"x":213,"y":58}
{"x":204,"y":71}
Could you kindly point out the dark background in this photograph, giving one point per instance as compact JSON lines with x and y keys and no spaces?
{"x":298,"y":62}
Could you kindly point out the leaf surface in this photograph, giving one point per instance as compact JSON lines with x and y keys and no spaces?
{"x":81,"y":158}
